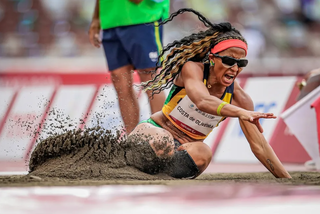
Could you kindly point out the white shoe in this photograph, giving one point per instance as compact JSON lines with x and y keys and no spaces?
{"x":313,"y":164}
{"x":310,"y":165}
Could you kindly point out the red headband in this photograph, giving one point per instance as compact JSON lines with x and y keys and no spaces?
{"x":221,"y":46}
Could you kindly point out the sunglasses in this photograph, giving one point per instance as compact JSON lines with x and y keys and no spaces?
{"x":230,"y":61}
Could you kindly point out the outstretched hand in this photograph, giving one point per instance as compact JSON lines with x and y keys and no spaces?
{"x":253,"y":117}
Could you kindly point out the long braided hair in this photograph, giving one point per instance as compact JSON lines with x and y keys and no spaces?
{"x":195,"y":47}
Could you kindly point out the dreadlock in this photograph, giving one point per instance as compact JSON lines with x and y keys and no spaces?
{"x":194,"y":47}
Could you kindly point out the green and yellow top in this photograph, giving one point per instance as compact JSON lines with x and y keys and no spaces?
{"x":185,"y":115}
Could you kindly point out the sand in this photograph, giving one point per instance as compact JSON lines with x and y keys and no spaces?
{"x":95,"y":154}
{"x":298,"y":178}
{"x":97,"y":157}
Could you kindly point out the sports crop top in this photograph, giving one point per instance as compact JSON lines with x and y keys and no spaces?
{"x":185,"y":115}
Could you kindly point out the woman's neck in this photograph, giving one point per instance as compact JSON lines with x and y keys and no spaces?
{"x":214,"y":87}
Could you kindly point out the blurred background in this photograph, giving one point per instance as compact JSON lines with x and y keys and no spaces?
{"x":283,"y":35}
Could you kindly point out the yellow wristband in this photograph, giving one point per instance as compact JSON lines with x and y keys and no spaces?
{"x":220,"y":107}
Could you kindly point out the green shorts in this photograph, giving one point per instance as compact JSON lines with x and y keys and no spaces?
{"x":151,"y":122}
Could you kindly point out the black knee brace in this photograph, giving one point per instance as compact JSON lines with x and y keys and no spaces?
{"x":141,"y":156}
{"x":182,"y":165}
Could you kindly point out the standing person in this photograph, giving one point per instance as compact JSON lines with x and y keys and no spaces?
{"x":131,"y":40}
{"x":202,"y":69}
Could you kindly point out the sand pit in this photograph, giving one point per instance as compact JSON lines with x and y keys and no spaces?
{"x":97,"y":157}
{"x":264,"y":178}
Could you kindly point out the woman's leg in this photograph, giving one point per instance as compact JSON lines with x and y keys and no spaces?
{"x":149,"y":148}
{"x":187,"y":161}
{"x":160,"y":140}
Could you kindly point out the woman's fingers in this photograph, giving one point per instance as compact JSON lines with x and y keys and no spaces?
{"x":264,"y":115}
{"x":269,"y":115}
{"x":253,"y":117}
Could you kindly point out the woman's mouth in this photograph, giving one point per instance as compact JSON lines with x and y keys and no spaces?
{"x":229,"y":77}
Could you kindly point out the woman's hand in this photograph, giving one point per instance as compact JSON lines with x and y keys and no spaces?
{"x":253,"y":117}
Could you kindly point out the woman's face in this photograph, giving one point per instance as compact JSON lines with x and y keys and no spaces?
{"x":226,"y":74}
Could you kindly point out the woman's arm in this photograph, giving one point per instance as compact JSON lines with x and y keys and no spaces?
{"x":259,"y":146}
{"x":192,"y":80}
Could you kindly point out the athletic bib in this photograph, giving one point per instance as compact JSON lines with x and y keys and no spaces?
{"x":188,"y":116}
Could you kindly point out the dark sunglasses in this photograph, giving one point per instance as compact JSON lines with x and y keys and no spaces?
{"x":230,"y":61}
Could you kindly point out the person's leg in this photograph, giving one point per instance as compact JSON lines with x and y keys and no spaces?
{"x":157,"y":100}
{"x":149,"y":148}
{"x":160,"y":140}
{"x":129,"y":107}
{"x":144,"y":44}
{"x":120,"y":66}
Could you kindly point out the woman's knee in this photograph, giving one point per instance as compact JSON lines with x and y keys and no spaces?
{"x":159,"y":139}
{"x":163,"y":149}
{"x":146,"y":153}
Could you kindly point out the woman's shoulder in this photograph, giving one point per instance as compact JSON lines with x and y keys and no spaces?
{"x":190,"y":70}
{"x":193,"y":65}
{"x":193,"y":68}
